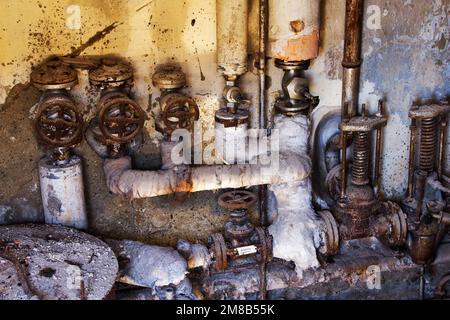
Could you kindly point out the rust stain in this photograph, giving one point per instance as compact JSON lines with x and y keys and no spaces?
{"x":95,"y":38}
{"x":299,"y":48}
{"x":297,"y":26}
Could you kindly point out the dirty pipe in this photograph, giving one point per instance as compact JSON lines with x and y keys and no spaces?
{"x":352,"y":55}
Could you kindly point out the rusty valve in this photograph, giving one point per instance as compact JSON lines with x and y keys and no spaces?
{"x":179,"y":112}
{"x":121,"y":119}
{"x":241,"y":239}
{"x":58,"y":123}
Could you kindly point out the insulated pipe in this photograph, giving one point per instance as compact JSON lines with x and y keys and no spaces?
{"x":232,"y":27}
{"x":62,"y":192}
{"x":294,"y":29}
{"x":352,"y":55}
{"x":122,"y":180}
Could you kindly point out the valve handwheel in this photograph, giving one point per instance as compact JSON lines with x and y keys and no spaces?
{"x":180,"y":112}
{"x":121,"y":120}
{"x":236,"y":200}
{"x":58,"y":123}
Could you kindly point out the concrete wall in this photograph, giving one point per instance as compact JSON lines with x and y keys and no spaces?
{"x":405,"y":58}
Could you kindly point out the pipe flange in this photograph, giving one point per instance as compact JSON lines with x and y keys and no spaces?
{"x":58,"y":122}
{"x":398,"y":226}
{"x":121,"y":120}
{"x":230,"y":119}
{"x":218,"y":250}
{"x":53,"y":75}
{"x":330,"y":234}
{"x":287,"y":108}
{"x":111,"y":73}
{"x":292,"y":65}
{"x":169,"y":77}
{"x":237,"y":200}
{"x":266,"y":243}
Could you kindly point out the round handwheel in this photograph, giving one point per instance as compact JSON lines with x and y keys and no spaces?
{"x":265,"y":240}
{"x":58,"y":123}
{"x":219,"y":250}
{"x":179,"y":112}
{"x":121,"y":120}
{"x":235,"y":200}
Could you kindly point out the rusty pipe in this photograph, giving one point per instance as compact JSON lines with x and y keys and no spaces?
{"x":352,"y":55}
{"x":412,"y":147}
{"x":441,"y":147}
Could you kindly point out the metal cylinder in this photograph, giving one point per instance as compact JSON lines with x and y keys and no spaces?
{"x":62,"y":192}
{"x":294,"y":29}
{"x":232,"y":24}
{"x":361,"y":156}
{"x":428,"y":144}
{"x":352,"y":54}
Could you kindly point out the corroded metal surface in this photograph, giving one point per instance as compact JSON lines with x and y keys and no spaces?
{"x":236,"y":200}
{"x":58,"y":122}
{"x":53,"y":75}
{"x":56,"y":262}
{"x":169,"y":76}
{"x":111,"y":73}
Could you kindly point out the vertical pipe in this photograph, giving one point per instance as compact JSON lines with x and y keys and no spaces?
{"x":343,"y":163}
{"x":232,"y":25}
{"x":352,"y":54}
{"x":379,"y":138}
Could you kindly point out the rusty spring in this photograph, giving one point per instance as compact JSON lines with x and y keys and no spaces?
{"x":361,"y":156}
{"x":428,"y":141}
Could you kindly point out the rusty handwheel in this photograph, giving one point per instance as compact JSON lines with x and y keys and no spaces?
{"x":236,"y":200}
{"x":121,"y":119}
{"x":219,"y":250}
{"x":331,"y":234}
{"x":58,"y":122}
{"x":265,"y":239}
{"x":179,"y":111}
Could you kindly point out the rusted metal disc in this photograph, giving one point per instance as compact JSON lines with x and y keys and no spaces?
{"x":53,"y":75}
{"x":179,"y":112}
{"x":111,"y":73}
{"x":58,"y":122}
{"x":54,"y":262}
{"x":169,"y":76}
{"x":217,"y":244}
{"x":121,"y":120}
{"x":398,"y":221}
{"x":238,"y":199}
{"x":332,"y":233}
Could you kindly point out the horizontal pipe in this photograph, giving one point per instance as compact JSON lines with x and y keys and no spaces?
{"x":121,"y":179}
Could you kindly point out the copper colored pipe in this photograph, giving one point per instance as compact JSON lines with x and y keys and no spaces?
{"x":412,"y":147}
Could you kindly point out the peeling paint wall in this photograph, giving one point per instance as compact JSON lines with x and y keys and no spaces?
{"x":405,"y":51}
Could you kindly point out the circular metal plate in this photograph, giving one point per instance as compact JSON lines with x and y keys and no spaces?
{"x":111,"y":72}
{"x":53,"y":75}
{"x":236,"y":200}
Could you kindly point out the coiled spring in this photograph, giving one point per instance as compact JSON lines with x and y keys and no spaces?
{"x":361,"y":157}
{"x":428,"y":141}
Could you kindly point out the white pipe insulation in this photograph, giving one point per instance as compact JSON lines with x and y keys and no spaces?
{"x":295,"y":227}
{"x":294,"y":29}
{"x":134,"y":184}
{"x":62,"y":192}
{"x":232,"y":24}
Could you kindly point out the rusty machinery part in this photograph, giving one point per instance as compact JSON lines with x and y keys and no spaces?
{"x":169,"y":77}
{"x":230,"y":119}
{"x":111,"y":73}
{"x":331,"y":234}
{"x":436,"y":210}
{"x":237,"y":200}
{"x":238,"y":229}
{"x":361,"y":156}
{"x":265,"y":248}
{"x":427,"y":119}
{"x":53,"y":75}
{"x":121,"y":120}
{"x":332,"y":182}
{"x":233,"y":94}
{"x":441,"y":291}
{"x":108,"y":96}
{"x":58,"y":122}
{"x":179,"y":112}
{"x":395,"y":229}
{"x":296,"y":96}
{"x":218,"y":249}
